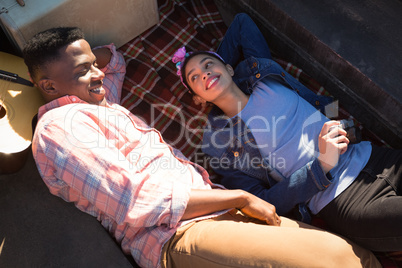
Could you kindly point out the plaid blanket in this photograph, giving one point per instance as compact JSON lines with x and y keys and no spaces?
{"x":153,"y":91}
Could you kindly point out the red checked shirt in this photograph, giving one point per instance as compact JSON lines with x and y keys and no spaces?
{"x":114,"y":167}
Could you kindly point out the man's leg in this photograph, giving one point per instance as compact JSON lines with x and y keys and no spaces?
{"x":232,"y":240}
{"x":243,"y":38}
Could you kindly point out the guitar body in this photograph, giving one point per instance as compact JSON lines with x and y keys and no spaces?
{"x":20,"y":104}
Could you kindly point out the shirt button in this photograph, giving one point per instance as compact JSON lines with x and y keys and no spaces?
{"x":236,"y":154}
{"x":258,"y":75}
{"x":282,"y":73}
{"x":74,"y":99}
{"x":317,"y":103}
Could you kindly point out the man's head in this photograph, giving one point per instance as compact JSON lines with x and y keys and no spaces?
{"x":61,"y":63}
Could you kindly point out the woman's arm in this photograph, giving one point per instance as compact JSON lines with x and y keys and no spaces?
{"x":243,"y":39}
{"x":203,"y":202}
{"x":300,"y":186}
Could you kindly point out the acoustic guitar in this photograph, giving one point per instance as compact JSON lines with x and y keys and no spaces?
{"x":19,"y":103}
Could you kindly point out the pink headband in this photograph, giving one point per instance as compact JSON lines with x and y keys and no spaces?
{"x":179,"y":58}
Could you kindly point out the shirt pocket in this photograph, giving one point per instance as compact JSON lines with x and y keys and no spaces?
{"x":243,"y":154}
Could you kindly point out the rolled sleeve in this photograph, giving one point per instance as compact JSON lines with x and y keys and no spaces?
{"x":180,"y":198}
{"x":115,"y":72}
{"x":321,"y":179}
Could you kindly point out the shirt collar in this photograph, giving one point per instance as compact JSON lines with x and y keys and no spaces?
{"x":59,"y":103}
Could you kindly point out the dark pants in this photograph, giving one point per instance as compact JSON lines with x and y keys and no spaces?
{"x":369,"y":211}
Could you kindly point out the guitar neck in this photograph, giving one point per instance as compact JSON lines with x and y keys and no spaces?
{"x":13,"y":77}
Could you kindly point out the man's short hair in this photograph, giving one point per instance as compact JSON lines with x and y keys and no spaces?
{"x":44,"y":47}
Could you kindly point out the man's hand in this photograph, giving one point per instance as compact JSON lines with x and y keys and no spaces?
{"x":203,"y":202}
{"x":103,"y":56}
{"x":331,"y":143}
{"x":259,"y":209}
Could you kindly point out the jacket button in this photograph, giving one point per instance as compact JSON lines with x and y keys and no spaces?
{"x":282,"y":73}
{"x":255,"y":64}
{"x":317,"y":102}
{"x":236,"y":154}
{"x":258,"y":75}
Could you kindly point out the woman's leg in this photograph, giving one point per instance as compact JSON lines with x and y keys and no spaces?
{"x":369,"y":212}
{"x":232,"y":240}
{"x":243,"y":38}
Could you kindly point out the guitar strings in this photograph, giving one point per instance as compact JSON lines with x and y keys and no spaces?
{"x":5,"y":82}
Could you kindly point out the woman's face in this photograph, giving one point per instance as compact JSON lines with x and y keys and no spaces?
{"x":208,"y":77}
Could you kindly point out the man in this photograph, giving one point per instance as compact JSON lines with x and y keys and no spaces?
{"x":160,"y":207}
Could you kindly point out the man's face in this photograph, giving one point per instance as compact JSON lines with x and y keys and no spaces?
{"x":75,"y":73}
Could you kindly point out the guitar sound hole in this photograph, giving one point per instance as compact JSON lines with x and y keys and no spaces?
{"x":2,"y":112}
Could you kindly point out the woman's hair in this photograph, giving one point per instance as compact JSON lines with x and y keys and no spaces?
{"x":44,"y":47}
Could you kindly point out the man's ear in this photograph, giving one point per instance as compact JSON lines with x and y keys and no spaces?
{"x":47,"y":86}
{"x":230,"y":69}
{"x":31,"y":79}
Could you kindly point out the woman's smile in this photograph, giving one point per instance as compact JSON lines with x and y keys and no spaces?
{"x":212,"y":81}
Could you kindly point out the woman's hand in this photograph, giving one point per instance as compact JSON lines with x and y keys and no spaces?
{"x":332,"y":142}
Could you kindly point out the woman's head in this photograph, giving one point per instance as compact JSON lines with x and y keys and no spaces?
{"x":201,"y":71}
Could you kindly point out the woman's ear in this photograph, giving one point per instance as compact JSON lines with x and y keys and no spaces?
{"x":230,"y":69}
{"x":198,"y":100}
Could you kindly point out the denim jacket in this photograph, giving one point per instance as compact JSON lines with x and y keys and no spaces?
{"x":234,"y":153}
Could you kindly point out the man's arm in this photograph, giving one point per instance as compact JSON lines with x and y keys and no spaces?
{"x":203,"y":202}
{"x":112,"y":63}
{"x":284,"y":195}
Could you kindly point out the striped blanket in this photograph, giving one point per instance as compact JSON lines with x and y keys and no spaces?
{"x":153,"y":91}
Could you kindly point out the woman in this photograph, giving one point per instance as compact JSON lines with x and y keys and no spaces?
{"x":266,"y":137}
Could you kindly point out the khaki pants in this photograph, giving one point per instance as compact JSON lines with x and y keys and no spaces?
{"x":233,"y":240}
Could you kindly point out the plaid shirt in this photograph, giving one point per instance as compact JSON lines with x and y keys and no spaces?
{"x":114,"y":167}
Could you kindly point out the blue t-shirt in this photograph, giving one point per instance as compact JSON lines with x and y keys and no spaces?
{"x":286,"y":129}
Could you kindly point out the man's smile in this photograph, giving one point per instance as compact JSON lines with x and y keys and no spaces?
{"x":98,"y":89}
